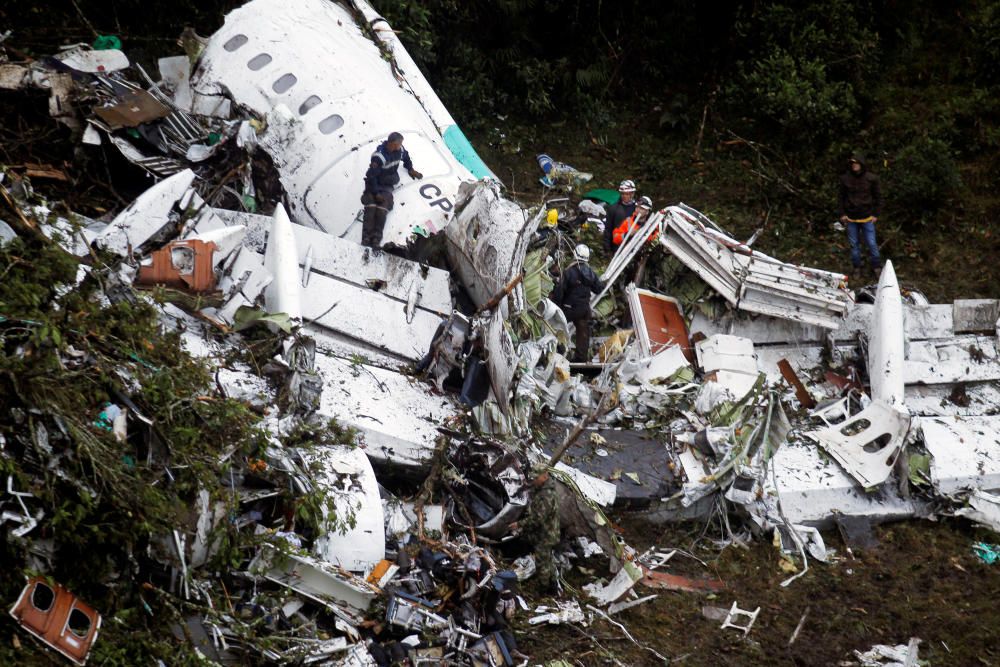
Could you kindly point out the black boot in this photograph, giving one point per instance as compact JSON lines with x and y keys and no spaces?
{"x":378,"y":224}
{"x":368,"y":226}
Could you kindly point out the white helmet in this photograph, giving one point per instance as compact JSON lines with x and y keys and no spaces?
{"x":645,"y":202}
{"x":626,"y":186}
{"x":582,"y":253}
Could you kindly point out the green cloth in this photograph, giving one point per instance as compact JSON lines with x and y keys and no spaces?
{"x":609,"y":197}
{"x":107,"y":42}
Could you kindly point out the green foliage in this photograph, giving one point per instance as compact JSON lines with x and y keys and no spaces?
{"x":985,"y":41}
{"x":795,"y":97}
{"x":924,"y":175}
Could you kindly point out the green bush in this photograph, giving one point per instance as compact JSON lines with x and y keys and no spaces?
{"x":923,"y":176}
{"x":796,"y":98}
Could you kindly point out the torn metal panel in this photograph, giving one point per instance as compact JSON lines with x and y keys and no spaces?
{"x":501,"y":359}
{"x":488,"y":242}
{"x":868,"y":443}
{"x":312,"y":58}
{"x":623,"y":582}
{"x":157,"y":165}
{"x":58,"y":618}
{"x":675,"y":582}
{"x":627,"y":251}
{"x":984,"y":509}
{"x":954,"y":400}
{"x":960,"y":359}
{"x":975,"y":315}
{"x":227,"y":240}
{"x":921,"y":322}
{"x":357,"y":542}
{"x":397,"y":417}
{"x":886,"y":342}
{"x":965,"y":452}
{"x":147,"y":216}
{"x":750,"y":280}
{"x":135,"y":108}
{"x":175,"y":72}
{"x":356,"y":301}
{"x":244,"y":282}
{"x":344,"y":261}
{"x":659,"y":321}
{"x":812,"y":489}
{"x":284,"y":293}
{"x":342,"y":593}
{"x":730,"y":353}
{"x":601,"y":492}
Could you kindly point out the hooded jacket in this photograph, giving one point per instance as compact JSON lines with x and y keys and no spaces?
{"x":860,"y":194}
{"x":573,"y":291}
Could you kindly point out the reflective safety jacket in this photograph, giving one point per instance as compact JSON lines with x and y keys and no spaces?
{"x":628,"y":225}
{"x":383,"y":172}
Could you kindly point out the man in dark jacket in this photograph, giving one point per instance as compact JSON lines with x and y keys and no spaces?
{"x":619,"y":212}
{"x":573,"y":296}
{"x":860,"y":206}
{"x":380,"y":179}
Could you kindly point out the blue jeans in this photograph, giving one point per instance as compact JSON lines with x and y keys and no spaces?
{"x":867,"y":230}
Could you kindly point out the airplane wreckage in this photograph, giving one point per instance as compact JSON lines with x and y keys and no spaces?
{"x":769,"y":390}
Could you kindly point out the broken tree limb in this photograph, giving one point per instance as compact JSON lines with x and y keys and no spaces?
{"x":585,"y":421}
{"x":498,"y":297}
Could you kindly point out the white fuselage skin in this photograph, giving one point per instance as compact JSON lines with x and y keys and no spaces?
{"x":310,"y":61}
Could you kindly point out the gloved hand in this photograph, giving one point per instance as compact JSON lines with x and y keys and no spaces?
{"x":415,"y":175}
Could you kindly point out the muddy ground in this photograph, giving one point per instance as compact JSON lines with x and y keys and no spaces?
{"x":921,"y":580}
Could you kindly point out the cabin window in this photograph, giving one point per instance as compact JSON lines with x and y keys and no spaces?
{"x":258,"y":61}
{"x":235,"y":42}
{"x":331,"y":123}
{"x":78,"y":623}
{"x":311,"y":102}
{"x":284,"y":83}
{"x":42,"y":597}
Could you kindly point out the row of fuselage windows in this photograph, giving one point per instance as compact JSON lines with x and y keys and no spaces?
{"x":284,"y":83}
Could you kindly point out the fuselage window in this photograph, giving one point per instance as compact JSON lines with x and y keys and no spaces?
{"x":284,"y":83}
{"x":331,"y":123}
{"x":235,"y":42}
{"x":311,"y":102}
{"x":258,"y":61}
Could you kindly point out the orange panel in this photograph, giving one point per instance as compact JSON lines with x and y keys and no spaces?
{"x":58,"y":618}
{"x":665,"y":324}
{"x":196,"y":271}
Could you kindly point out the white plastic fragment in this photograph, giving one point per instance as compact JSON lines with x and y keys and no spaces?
{"x":566,"y":612}
{"x":93,"y":62}
{"x":621,"y":584}
{"x":984,"y":508}
{"x":735,"y":613}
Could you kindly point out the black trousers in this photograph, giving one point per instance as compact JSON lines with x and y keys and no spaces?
{"x":377,"y":207}
{"x":582,"y":352}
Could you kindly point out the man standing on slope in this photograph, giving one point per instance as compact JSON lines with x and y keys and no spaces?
{"x":619,"y":212}
{"x":380,"y":179}
{"x":860,"y":206}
